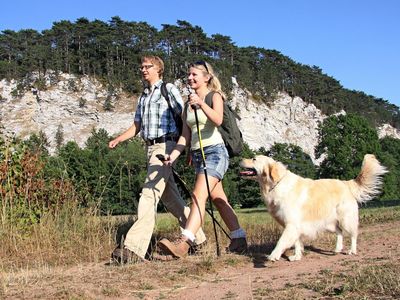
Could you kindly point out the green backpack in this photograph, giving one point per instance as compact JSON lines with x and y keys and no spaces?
{"x":229,"y":129}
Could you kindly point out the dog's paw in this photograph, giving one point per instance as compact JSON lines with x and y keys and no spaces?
{"x":352,"y":252}
{"x":294,"y":257}
{"x":273,"y":257}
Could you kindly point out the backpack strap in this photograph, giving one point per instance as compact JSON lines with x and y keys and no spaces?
{"x":175,"y":113}
{"x":208,"y":99}
{"x":164,"y":93}
{"x":209,"y":102}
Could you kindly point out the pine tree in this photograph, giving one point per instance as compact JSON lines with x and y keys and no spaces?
{"x":59,"y":137}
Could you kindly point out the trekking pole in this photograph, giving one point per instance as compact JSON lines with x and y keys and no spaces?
{"x":205,"y":173}
{"x":183,"y":185}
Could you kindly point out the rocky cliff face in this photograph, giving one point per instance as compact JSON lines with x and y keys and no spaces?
{"x":286,"y":120}
{"x":77,"y":104}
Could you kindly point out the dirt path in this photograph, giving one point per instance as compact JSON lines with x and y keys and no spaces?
{"x":380,"y":242}
{"x":205,"y":277}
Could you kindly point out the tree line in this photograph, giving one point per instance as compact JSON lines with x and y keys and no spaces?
{"x":32,"y":181}
{"x":111,"y":51}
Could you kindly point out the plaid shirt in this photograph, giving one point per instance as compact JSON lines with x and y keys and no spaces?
{"x":153,"y":112}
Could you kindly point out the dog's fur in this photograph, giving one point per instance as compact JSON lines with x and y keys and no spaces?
{"x":305,"y":207}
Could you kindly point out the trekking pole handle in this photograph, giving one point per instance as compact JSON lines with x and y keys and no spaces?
{"x":190,"y":91}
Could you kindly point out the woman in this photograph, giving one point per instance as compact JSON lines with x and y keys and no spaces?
{"x":203,"y":81}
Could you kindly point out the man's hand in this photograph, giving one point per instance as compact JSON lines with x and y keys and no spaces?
{"x":113,"y":143}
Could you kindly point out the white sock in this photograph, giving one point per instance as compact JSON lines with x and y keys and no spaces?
{"x":188,"y":234}
{"x":238,"y":233}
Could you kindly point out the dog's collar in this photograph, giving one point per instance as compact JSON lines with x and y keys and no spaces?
{"x":278,"y":182}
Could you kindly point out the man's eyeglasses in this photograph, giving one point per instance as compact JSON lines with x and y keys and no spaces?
{"x":201,"y":63}
{"x":146,"y":67}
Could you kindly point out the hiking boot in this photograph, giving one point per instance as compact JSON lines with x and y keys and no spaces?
{"x":125,"y":256}
{"x":178,"y":248}
{"x":238,"y":246}
{"x":196,"y":249}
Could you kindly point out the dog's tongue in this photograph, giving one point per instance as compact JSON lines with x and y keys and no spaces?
{"x":246,"y":173}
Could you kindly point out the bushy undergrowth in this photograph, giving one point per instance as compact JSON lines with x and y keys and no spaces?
{"x":42,"y":220}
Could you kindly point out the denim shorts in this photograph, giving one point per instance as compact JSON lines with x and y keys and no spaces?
{"x":217,"y":160}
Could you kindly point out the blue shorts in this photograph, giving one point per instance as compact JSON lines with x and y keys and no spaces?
{"x":217,"y":160}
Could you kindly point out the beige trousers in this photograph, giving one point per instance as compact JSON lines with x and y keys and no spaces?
{"x":159,"y":185}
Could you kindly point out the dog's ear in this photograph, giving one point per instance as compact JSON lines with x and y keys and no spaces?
{"x":276,"y":171}
{"x":266,"y":171}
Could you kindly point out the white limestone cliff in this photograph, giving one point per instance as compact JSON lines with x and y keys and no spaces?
{"x":286,"y":120}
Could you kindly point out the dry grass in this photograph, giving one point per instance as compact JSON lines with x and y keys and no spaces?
{"x":68,"y":238}
{"x":74,"y":236}
{"x":378,"y":281}
{"x":166,"y":279}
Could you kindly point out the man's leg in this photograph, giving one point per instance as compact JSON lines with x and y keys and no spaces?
{"x":139,"y":235}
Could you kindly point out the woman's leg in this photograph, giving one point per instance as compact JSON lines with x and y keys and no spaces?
{"x":238,"y":242}
{"x":199,"y":199}
{"x":180,"y":247}
{"x":225,"y":209}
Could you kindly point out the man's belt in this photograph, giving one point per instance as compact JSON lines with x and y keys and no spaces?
{"x":161,"y":139}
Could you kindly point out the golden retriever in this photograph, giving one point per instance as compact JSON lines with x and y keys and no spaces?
{"x":305,"y":207}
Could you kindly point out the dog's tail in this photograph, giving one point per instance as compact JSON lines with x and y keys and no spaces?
{"x":369,"y":181}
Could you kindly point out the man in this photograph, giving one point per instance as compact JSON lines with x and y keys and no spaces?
{"x":154,"y":120}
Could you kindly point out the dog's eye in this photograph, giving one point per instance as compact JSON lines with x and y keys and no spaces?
{"x":254,"y":159}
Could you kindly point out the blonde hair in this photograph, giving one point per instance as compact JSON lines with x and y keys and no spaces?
{"x":156,"y":60}
{"x":213,"y":84}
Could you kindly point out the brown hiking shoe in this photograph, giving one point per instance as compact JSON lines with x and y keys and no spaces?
{"x":178,"y":248}
{"x":125,"y":256}
{"x":238,"y":246}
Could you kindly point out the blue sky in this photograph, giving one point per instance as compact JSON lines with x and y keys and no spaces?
{"x":355,"y":41}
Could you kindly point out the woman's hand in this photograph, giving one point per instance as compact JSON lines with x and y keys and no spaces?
{"x":168,"y":160}
{"x":195,"y":101}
